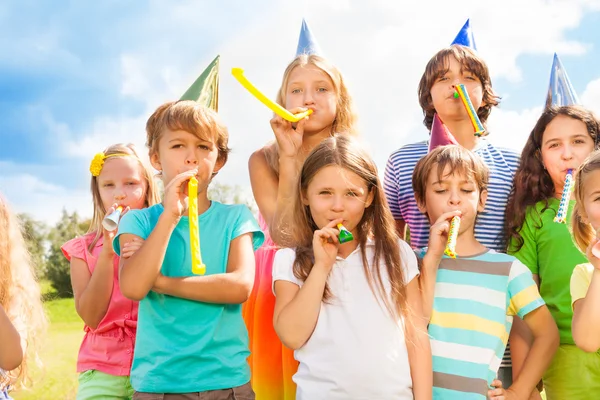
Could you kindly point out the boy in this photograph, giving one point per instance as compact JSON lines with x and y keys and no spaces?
{"x":470,"y":300}
{"x":191,"y":340}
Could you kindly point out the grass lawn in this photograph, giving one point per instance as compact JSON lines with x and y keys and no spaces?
{"x":57,"y":379}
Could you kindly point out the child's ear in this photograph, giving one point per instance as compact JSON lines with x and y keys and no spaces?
{"x":370,"y":198}
{"x":482,"y":200}
{"x":421,"y":206}
{"x":304,"y":198}
{"x":155,"y":161}
{"x":218,"y":165}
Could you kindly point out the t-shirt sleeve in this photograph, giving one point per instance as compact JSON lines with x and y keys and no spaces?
{"x":283,"y":267}
{"x":392,"y":189}
{"x":409,"y":262}
{"x":580,"y":281}
{"x":246,"y":223}
{"x":74,"y":248}
{"x":522,"y":291}
{"x":135,"y":222}
{"x":527,"y":254}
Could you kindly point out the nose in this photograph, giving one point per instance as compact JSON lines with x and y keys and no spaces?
{"x":191,"y":158}
{"x":454,"y":199}
{"x":567,"y":153}
{"x":119,"y":193}
{"x":338,"y":204}
{"x":308,"y":98}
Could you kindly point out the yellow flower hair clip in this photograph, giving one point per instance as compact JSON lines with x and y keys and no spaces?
{"x":98,"y":162}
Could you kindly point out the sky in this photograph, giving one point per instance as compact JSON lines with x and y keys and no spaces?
{"x":78,"y":76}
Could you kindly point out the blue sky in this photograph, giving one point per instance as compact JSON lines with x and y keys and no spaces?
{"x":78,"y":76}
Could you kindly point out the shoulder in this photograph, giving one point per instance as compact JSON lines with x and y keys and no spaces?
{"x":77,"y":247}
{"x":582,"y":273}
{"x":409,"y":261}
{"x":410,"y":151}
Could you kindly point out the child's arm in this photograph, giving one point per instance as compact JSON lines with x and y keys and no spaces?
{"x":297,"y":309}
{"x":138,"y":273}
{"x":92,"y":291}
{"x":232,"y":287}
{"x":586,"y":317}
{"x":545,"y":343}
{"x":11,"y":352}
{"x":586,"y":310}
{"x":417,"y":341}
{"x":275,"y":194}
{"x":438,"y":236}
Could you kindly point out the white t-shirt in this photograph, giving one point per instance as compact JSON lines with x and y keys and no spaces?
{"x":357,"y":351}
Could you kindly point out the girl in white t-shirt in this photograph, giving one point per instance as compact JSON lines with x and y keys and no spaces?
{"x":351,"y":311}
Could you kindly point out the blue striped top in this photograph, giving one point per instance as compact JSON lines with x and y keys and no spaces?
{"x":489,"y":228}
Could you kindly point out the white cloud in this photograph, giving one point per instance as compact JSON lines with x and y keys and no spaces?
{"x":382,"y":49}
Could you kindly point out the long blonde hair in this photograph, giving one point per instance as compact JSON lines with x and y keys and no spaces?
{"x":152,"y":196}
{"x":583,"y":233}
{"x":20,"y":294}
{"x":377,"y":222}
{"x":345,"y":118}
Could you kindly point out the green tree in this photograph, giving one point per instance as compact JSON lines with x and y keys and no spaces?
{"x":34,"y":233}
{"x":57,"y":266}
{"x":228,"y":194}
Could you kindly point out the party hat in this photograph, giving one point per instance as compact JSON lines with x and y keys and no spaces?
{"x":205,"y":89}
{"x":307,"y":43}
{"x":440,"y":135}
{"x":560,"y":90}
{"x":465,"y":36}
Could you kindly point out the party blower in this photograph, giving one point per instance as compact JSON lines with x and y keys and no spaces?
{"x":563,"y":206}
{"x":238,"y":74}
{"x":111,"y":221}
{"x":345,"y":235}
{"x":198,"y":267}
{"x":461,"y":91}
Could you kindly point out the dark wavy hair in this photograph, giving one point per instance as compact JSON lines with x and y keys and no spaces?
{"x":532,"y":182}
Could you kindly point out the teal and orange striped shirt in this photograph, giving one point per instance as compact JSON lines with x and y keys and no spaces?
{"x":474,"y":303}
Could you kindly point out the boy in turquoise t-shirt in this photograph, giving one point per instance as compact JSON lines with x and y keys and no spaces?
{"x":191,"y":335}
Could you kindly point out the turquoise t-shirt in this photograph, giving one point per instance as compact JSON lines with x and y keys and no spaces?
{"x":185,"y":346}
{"x":549,"y":251}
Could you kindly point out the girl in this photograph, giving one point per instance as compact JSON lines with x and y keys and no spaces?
{"x":562,"y":138}
{"x":22,"y":318}
{"x":585,"y":279}
{"x":311,"y":82}
{"x":351,"y":311}
{"x":119,"y":178}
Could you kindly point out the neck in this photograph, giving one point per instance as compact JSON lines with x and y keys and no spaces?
{"x":311,"y":140}
{"x":467,"y":245}
{"x":203,"y":204}
{"x":347,"y":248}
{"x":463,"y":131}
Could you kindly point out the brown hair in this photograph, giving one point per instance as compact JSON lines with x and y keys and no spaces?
{"x":151,"y":195}
{"x":345,"y":118}
{"x":377,"y":221}
{"x":583,"y":233}
{"x":459,"y":159}
{"x":438,"y":66}
{"x":532,"y":182}
{"x":189,"y":116}
{"x":20,"y":294}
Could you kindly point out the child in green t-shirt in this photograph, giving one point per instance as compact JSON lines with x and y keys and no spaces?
{"x":560,"y":141}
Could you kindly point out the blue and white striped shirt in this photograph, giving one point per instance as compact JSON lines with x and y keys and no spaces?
{"x":489,"y":229}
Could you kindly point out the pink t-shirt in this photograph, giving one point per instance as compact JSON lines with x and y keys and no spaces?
{"x":109,"y":347}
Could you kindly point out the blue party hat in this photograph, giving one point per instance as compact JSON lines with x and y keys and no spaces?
{"x":560,"y":90}
{"x":465,"y":36}
{"x":307,"y":43}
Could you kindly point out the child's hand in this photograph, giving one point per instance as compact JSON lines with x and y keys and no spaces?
{"x":498,"y":393}
{"x":289,"y":140}
{"x":108,"y":236}
{"x":175,"y":198}
{"x":438,"y":234}
{"x":326,"y":243}
{"x":130,"y":248}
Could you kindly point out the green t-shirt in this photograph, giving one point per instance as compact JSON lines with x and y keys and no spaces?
{"x":549,"y":251}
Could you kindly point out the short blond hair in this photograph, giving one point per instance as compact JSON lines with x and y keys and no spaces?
{"x":189,"y":116}
{"x":583,"y":233}
{"x":459,"y":159}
